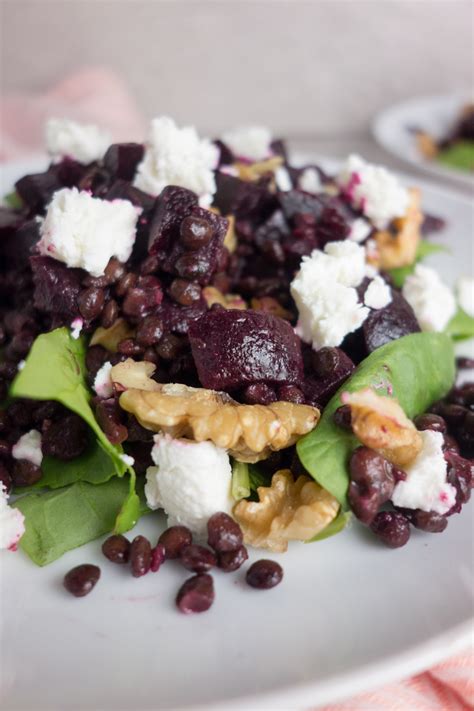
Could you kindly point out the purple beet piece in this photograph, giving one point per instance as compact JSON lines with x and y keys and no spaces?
{"x":319,"y":390}
{"x":165,"y":240}
{"x":334,"y":222}
{"x":122,"y":159}
{"x":272,"y":230}
{"x":432,"y":223}
{"x":390,"y":323}
{"x":243,"y":199}
{"x":37,"y":189}
{"x":16,"y":245}
{"x":95,"y":180}
{"x":233,"y":349}
{"x":70,"y":172}
{"x":226,"y":157}
{"x":296,"y":202}
{"x":122,"y":190}
{"x":56,"y":287}
{"x":176,"y":318}
{"x":278,"y":147}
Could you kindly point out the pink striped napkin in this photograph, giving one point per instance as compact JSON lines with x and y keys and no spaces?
{"x":98,"y":95}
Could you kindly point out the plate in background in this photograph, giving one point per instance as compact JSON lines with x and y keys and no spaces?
{"x":349,"y":614}
{"x":434,"y":114}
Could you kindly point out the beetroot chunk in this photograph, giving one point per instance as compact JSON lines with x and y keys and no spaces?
{"x":397,"y":319}
{"x":171,"y":236}
{"x":331,"y":367}
{"x":37,"y":189}
{"x":233,"y":349}
{"x":121,"y":159}
{"x":56,"y":287}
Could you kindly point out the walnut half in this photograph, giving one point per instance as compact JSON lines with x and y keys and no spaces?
{"x":288,"y":510}
{"x":399,"y":249}
{"x":249,"y":432}
{"x":380,"y":423}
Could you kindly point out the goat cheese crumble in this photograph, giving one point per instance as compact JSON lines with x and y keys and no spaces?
{"x":426,"y":487}
{"x":250,"y":142}
{"x":191,"y":481}
{"x":432,"y":301}
{"x":177,"y":156}
{"x":82,"y":142}
{"x":465,"y":294}
{"x":373,"y":190}
{"x":76,"y":328}
{"x":12,"y":522}
{"x":310,"y":181}
{"x":325,"y":294}
{"x":378,"y":294}
{"x":360,"y":230}
{"x":103,"y":382}
{"x":283,"y":180}
{"x":29,"y":447}
{"x":85,"y":231}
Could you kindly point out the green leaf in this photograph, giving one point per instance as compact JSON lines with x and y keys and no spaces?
{"x":66,"y":518}
{"x":130,"y":510}
{"x":336,"y":526}
{"x":13,"y":200}
{"x":416,"y":369}
{"x":461,"y":326}
{"x":55,"y":370}
{"x":240,"y":480}
{"x":460,"y":155}
{"x":424,"y":249}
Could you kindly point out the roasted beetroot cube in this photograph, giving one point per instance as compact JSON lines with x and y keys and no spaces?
{"x":122,"y":159}
{"x":95,"y":180}
{"x":70,"y":172}
{"x":122,"y":190}
{"x":10,"y":221}
{"x":243,"y":199}
{"x":390,"y":323}
{"x":226,"y":157}
{"x":172,"y":206}
{"x":56,"y":287}
{"x":273,"y":229}
{"x":233,"y":349}
{"x":37,"y":189}
{"x":16,"y":245}
{"x":334,"y":222}
{"x":332,"y":369}
{"x":278,"y":147}
{"x":190,"y":256}
{"x":296,"y":202}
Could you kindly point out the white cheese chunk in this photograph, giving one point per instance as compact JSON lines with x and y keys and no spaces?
{"x":84,"y":231}
{"x":12,"y":522}
{"x":325,"y":295}
{"x":250,"y":142}
{"x":283,"y":180}
{"x":310,"y":181}
{"x":432,"y":301}
{"x":76,"y":327}
{"x":127,"y":459}
{"x":373,"y":190}
{"x":378,"y":294}
{"x":103,"y":382}
{"x":177,"y":156}
{"x":465,"y":294}
{"x":84,"y":143}
{"x":191,"y":481}
{"x":360,"y":230}
{"x":29,"y":447}
{"x":426,"y":487}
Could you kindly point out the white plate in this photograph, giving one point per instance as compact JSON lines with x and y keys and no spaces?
{"x":436,"y":115}
{"x":349,"y":614}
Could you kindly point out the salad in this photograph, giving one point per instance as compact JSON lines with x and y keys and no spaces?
{"x":456,"y":148}
{"x":254,"y":348}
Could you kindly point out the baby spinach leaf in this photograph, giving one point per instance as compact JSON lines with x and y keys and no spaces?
{"x":55,"y":370}
{"x":60,"y":520}
{"x":424,"y":249}
{"x":240,"y":480}
{"x":460,"y":155}
{"x":461,"y":326}
{"x":130,"y":510}
{"x":13,"y":200}
{"x":417,"y":370}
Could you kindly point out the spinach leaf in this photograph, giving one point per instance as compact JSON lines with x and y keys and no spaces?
{"x":13,"y":200}
{"x":130,"y":510}
{"x":417,"y":369}
{"x":61,"y":520}
{"x":460,"y":155}
{"x":424,"y":249}
{"x":461,"y":326}
{"x":240,"y":480}
{"x":55,"y":370}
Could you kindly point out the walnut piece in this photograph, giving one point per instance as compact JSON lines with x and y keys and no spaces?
{"x":288,"y":510}
{"x":380,"y":423}
{"x":249,"y":432}
{"x":109,"y":338}
{"x":399,"y":249}
{"x":254,"y":171}
{"x":228,"y":301}
{"x":271,"y":306}
{"x":426,"y":145}
{"x":131,"y":374}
